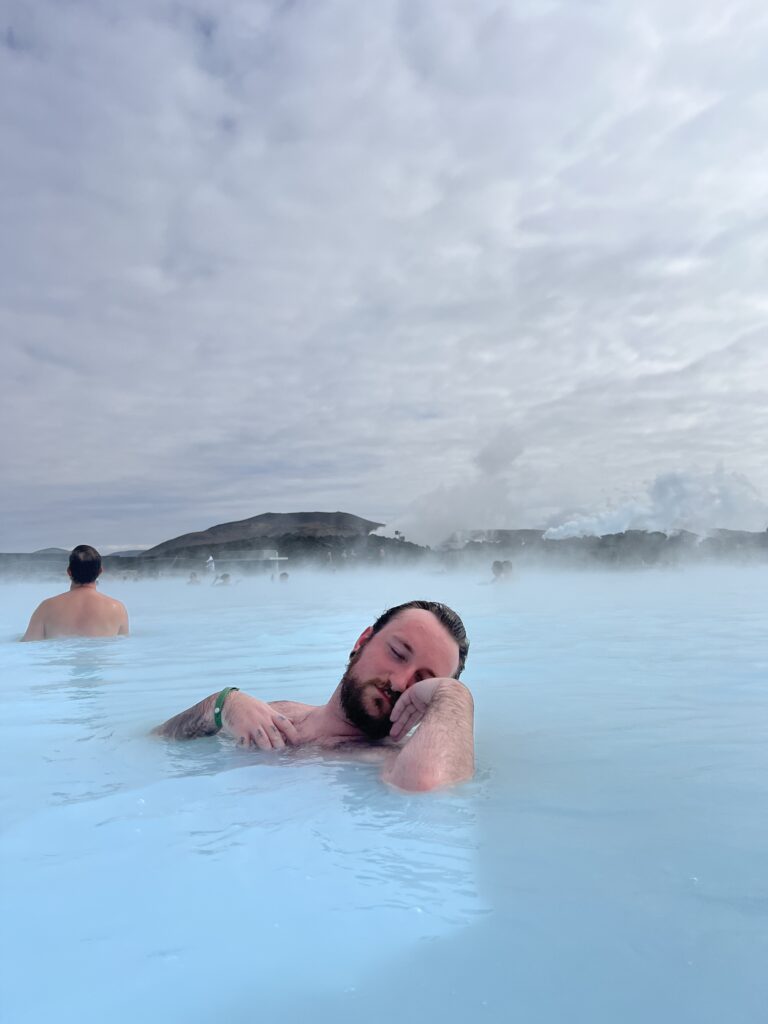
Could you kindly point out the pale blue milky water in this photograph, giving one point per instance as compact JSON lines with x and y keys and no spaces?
{"x":608,"y":864}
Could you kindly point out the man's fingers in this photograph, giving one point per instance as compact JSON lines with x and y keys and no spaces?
{"x":274,"y":734}
{"x":267,"y":731}
{"x":405,"y":723}
{"x":398,"y":731}
{"x":406,"y":707}
{"x":276,"y":737}
{"x":395,"y":732}
{"x":402,"y":702}
{"x":288,"y":730}
{"x":260,"y":739}
{"x":399,"y":712}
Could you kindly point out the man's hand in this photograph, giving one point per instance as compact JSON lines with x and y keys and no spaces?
{"x":411,"y":706}
{"x":252,"y":722}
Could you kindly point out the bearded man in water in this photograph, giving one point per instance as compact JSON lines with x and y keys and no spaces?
{"x":82,"y":611}
{"x":403,"y":671}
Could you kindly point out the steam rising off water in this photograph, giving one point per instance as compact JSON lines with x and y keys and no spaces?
{"x":502,"y":495}
{"x":607,"y":863}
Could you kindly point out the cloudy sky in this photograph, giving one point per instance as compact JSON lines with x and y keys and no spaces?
{"x":435,"y":263}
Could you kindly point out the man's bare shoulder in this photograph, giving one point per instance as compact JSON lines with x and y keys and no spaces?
{"x":92,"y":597}
{"x":290,"y":708}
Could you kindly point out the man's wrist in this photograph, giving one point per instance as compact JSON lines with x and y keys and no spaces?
{"x":218,"y":706}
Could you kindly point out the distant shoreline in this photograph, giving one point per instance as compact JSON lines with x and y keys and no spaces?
{"x":354,"y":544}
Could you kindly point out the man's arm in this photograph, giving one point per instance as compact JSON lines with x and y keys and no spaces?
{"x":442,"y":751}
{"x":192,"y":723}
{"x":36,"y":627}
{"x":252,"y":722}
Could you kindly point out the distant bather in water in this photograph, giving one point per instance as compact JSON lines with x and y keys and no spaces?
{"x":82,"y":611}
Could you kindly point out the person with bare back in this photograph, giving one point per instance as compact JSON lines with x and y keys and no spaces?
{"x":82,"y":610}
{"x":403,"y":672}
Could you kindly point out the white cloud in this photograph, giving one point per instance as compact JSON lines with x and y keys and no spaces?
{"x":265,"y":256}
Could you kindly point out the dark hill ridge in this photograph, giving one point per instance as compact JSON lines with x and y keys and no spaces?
{"x":337,"y":539}
{"x":271,"y":526}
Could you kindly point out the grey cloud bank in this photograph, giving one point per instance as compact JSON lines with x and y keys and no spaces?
{"x":439,"y":265}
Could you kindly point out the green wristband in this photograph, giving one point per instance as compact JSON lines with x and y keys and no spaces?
{"x":219,"y":705}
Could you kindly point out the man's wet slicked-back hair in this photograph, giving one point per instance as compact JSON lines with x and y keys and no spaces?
{"x":84,"y":563}
{"x":447,"y":618}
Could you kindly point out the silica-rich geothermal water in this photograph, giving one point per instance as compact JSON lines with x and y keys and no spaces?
{"x":607,"y":863}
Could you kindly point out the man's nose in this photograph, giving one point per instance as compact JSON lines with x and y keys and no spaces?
{"x":401,"y":679}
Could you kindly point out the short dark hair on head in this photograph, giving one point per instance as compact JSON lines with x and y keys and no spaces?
{"x":84,"y":563}
{"x":447,"y":618}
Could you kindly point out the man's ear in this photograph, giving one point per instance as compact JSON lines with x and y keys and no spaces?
{"x":69,"y":572}
{"x":363,"y":639}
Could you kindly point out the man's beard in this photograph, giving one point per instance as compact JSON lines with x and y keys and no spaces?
{"x":353,"y":690}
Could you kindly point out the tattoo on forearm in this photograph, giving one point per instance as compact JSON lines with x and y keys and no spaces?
{"x":189,"y":724}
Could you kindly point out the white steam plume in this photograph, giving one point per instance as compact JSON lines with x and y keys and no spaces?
{"x":482,"y":499}
{"x":694,"y":501}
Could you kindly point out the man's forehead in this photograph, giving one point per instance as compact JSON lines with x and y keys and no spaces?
{"x":426,"y":636}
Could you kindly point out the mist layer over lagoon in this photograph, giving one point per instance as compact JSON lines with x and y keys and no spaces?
{"x":607,"y":863}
